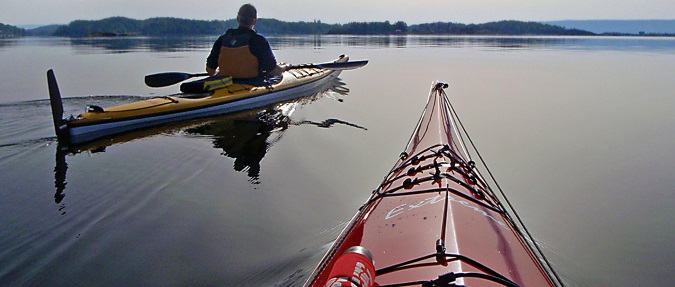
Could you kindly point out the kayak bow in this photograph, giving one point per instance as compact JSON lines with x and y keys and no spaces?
{"x":97,"y":122}
{"x":434,"y":221}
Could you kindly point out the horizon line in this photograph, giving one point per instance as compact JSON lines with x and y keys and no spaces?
{"x":23,"y":26}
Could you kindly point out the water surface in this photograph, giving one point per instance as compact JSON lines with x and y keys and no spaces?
{"x":578,"y":131}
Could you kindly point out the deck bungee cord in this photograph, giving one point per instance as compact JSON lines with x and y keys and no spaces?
{"x":520,"y":226}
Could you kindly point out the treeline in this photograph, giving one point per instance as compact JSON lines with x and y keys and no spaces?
{"x":11,"y":31}
{"x":181,"y":27}
{"x":495,"y":28}
{"x":370,"y":28}
{"x":277,"y":27}
{"x":149,"y":27}
{"x":121,"y":26}
{"x":447,"y":28}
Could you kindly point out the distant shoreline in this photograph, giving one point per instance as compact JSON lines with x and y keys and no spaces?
{"x":121,"y":26}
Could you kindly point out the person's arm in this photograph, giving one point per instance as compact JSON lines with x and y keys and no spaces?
{"x":277,"y":70}
{"x":211,"y":72}
{"x":212,"y":59}
{"x":267,"y":63}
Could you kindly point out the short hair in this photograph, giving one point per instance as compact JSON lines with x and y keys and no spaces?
{"x":247,"y":14}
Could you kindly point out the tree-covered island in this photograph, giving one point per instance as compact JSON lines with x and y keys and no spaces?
{"x":164,"y":26}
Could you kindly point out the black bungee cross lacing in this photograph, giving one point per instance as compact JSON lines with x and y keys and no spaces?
{"x":489,"y":200}
{"x":454,"y":163}
{"x":447,"y":279}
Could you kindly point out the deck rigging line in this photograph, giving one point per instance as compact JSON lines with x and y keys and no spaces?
{"x":520,"y":227}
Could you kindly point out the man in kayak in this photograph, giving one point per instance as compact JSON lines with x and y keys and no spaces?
{"x":242,"y":53}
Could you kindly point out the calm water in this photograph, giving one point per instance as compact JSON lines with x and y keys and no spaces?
{"x":579,"y":132}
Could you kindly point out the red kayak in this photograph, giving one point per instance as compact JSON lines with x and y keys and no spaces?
{"x":435,"y":221}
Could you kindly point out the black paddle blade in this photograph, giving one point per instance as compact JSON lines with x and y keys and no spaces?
{"x":349,"y":65}
{"x":57,"y":105}
{"x":165,"y":79}
{"x":336,"y":66}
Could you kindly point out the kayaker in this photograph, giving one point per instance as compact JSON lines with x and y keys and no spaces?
{"x":242,"y":53}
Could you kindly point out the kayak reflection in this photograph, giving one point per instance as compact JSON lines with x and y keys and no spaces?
{"x":60,"y":176}
{"x":247,"y":140}
{"x":245,"y":137}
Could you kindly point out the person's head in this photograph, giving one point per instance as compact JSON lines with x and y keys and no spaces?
{"x":247,"y":15}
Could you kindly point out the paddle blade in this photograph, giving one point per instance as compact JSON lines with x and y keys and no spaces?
{"x":350,"y":65}
{"x":168,"y":79}
{"x":336,"y":66}
{"x":57,"y":105}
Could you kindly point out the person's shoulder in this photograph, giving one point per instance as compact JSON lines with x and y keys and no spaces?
{"x":227,"y":32}
{"x":258,"y":37}
{"x":230,"y":31}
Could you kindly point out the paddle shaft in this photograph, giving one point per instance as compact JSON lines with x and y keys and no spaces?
{"x":170,"y":78}
{"x":349,"y":65}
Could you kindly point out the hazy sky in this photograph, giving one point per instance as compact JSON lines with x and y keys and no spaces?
{"x":22,"y":12}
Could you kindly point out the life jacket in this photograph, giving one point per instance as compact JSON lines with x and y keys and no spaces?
{"x":235,"y":58}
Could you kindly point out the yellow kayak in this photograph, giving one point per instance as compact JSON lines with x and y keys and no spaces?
{"x":99,"y":122}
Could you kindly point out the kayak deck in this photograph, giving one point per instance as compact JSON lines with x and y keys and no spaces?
{"x":177,"y":102}
{"x":98,"y":122}
{"x":434,"y":219}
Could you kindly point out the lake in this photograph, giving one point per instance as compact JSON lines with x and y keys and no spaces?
{"x":579,"y":132}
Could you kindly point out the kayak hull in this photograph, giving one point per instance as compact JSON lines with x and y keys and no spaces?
{"x":95,"y":124}
{"x":433,"y":218}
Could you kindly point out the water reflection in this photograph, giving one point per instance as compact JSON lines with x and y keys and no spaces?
{"x":370,"y":41}
{"x":491,"y":42}
{"x":299,"y":41}
{"x":246,"y":137}
{"x":7,"y":43}
{"x":178,"y":44}
{"x":134,"y":44}
{"x":60,"y":171}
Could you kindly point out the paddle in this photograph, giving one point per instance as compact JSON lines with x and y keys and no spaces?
{"x":170,"y":78}
{"x":337,"y":66}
